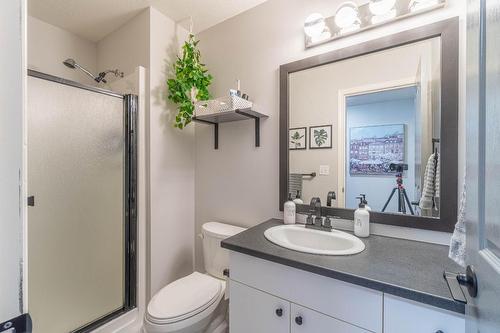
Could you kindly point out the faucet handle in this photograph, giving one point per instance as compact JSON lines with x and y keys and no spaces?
{"x":309,"y":220}
{"x":328,"y":222}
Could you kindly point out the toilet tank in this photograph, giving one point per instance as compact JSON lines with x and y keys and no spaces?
{"x":216,"y":258}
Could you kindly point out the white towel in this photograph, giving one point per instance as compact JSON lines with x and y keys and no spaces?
{"x":458,"y":239}
{"x":431,"y":188}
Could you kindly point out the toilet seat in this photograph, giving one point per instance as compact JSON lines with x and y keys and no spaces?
{"x":184,"y":298}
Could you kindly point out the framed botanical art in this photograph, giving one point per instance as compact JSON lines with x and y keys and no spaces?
{"x":320,"y":137}
{"x":297,"y":138}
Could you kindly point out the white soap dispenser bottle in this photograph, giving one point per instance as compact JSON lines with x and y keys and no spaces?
{"x":289,"y":210}
{"x":298,"y":200}
{"x":368,"y":208}
{"x":361,"y":220}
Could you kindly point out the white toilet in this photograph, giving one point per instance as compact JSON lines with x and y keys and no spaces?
{"x":195,"y":303}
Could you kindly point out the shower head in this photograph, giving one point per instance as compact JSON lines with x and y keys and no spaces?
{"x":71,"y":63}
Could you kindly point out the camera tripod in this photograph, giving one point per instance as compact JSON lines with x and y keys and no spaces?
{"x":402,"y":196}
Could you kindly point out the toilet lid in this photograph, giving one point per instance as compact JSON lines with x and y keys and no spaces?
{"x":184,"y":298}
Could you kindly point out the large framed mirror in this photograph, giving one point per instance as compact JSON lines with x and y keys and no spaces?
{"x":375,"y":121}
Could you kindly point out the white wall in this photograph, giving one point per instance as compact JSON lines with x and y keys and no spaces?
{"x":239,"y":183}
{"x":49,"y":46}
{"x":153,"y":40}
{"x":172,"y":170}
{"x":125,"y":48}
{"x":12,"y":88}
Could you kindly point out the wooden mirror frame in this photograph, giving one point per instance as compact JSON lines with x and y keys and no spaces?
{"x":447,"y":30}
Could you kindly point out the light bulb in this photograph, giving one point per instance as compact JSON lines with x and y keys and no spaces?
{"x":416,"y":5}
{"x":381,"y":18}
{"x":381,"y":7}
{"x":347,"y":16}
{"x":314,"y":25}
{"x":326,"y":34}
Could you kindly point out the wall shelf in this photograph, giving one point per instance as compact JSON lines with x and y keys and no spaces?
{"x":229,"y":116}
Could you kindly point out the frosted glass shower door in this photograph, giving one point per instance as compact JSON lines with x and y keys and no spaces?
{"x":76,"y":264}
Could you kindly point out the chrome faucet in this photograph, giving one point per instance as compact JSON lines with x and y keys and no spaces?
{"x":317,"y":223}
{"x":331,"y":196}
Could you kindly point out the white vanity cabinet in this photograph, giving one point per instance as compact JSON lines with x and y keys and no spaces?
{"x":305,"y":320}
{"x":401,"y":315}
{"x":266,"y":297}
{"x":255,"y":311}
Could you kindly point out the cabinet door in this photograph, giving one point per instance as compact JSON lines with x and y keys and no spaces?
{"x":401,"y":315}
{"x":308,"y":321}
{"x":253,"y":311}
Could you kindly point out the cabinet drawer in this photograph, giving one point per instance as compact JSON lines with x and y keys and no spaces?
{"x":332,"y":297}
{"x":253,"y":311}
{"x":308,"y":321}
{"x":401,"y":315}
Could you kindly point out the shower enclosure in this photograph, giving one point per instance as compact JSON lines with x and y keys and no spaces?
{"x":82,"y":204}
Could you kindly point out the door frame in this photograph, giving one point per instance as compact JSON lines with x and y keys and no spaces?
{"x":341,"y":119}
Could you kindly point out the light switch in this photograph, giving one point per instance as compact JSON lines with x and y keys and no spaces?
{"x":324,"y":170}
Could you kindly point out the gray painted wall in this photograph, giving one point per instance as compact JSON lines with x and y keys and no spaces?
{"x":239,"y":183}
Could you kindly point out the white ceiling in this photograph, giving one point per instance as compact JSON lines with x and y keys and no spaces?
{"x":94,"y":19}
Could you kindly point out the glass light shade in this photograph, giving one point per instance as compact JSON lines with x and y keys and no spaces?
{"x":314,"y":25}
{"x":416,"y":5}
{"x":326,"y":34}
{"x":382,"y":18}
{"x":347,"y":15}
{"x":381,"y":7}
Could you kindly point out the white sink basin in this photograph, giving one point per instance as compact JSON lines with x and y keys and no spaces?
{"x":302,"y":239}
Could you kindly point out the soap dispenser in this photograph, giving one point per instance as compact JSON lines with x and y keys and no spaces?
{"x":298,"y":200}
{"x":361,"y":220}
{"x":289,"y":210}
{"x":368,"y":208}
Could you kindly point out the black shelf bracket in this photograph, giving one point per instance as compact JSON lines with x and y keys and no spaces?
{"x":216,"y":130}
{"x":230,"y":116}
{"x":257,"y":125}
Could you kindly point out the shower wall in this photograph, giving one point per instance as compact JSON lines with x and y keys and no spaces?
{"x":49,"y":45}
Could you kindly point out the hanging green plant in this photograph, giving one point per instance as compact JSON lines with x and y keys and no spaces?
{"x":190,"y":84}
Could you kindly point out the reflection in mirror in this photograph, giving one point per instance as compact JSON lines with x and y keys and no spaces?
{"x":369,"y":126}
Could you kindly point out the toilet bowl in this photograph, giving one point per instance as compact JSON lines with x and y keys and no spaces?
{"x":195,"y":303}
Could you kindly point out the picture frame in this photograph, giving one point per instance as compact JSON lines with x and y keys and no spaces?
{"x":320,"y":137}
{"x":297,"y":138}
{"x":373,"y":148}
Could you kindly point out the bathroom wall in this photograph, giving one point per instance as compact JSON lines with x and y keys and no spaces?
{"x":49,"y":46}
{"x":172,"y":158}
{"x":125,"y":48}
{"x":239,"y":183}
{"x":153,"y":40}
{"x":12,"y":99}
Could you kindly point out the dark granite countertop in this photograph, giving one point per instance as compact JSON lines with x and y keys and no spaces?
{"x":408,"y":269}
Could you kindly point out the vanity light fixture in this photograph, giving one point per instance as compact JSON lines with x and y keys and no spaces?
{"x":314,"y":25}
{"x":347,"y":17}
{"x":417,"y":5}
{"x":382,"y":10}
{"x":352,"y":18}
{"x":381,"y":7}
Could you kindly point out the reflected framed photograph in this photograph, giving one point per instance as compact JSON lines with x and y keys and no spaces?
{"x":320,"y":137}
{"x":297,"y":138}
{"x":373,"y":148}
